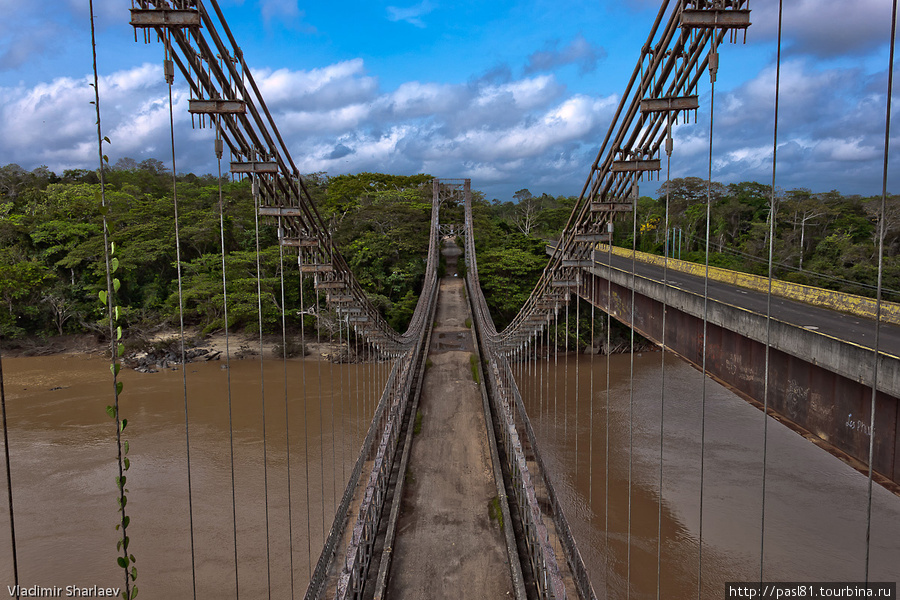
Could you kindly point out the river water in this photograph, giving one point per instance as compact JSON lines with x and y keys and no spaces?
{"x":63,"y":454}
{"x":815,"y":505}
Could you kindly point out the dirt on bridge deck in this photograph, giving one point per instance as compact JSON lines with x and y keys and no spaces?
{"x":447,"y":544}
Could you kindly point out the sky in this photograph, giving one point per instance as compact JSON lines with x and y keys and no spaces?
{"x":512,"y":94}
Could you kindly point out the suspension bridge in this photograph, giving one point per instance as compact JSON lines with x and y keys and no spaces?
{"x":469,"y":504}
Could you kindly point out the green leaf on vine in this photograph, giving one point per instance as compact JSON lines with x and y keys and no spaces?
{"x":123,"y":562}
{"x":119,"y":386}
{"x":126,"y":521}
{"x":126,"y":446}
{"x":114,"y":264}
{"x":111,"y":411}
{"x":121,"y":350}
{"x":116,"y":284}
{"x":119,"y":332}
{"x":127,"y":464}
{"x":102,"y":295}
{"x":134,"y":592}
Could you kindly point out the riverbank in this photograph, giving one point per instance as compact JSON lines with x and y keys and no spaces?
{"x":162,"y":349}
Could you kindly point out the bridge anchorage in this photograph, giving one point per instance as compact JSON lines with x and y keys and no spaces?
{"x":457,"y":489}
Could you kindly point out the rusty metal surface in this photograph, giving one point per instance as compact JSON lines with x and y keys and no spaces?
{"x":250,"y":167}
{"x":611,"y":207}
{"x":669,"y":103}
{"x":629,"y":166}
{"x":217,"y":107}
{"x":160,"y":17}
{"x":715,"y":18}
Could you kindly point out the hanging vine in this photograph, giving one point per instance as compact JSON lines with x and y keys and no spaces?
{"x":117,"y":348}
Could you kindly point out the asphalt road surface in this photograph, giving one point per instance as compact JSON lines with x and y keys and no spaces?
{"x":844,"y":326}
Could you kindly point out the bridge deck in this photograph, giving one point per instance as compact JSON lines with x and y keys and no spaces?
{"x":851,"y":328}
{"x":447,"y":544}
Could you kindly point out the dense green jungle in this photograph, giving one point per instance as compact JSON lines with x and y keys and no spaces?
{"x":52,"y":260}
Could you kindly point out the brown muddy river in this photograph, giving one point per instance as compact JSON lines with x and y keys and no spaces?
{"x":815,"y":505}
{"x":64,"y":466}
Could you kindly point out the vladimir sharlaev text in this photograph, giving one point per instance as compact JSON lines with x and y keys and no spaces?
{"x":69,"y":591}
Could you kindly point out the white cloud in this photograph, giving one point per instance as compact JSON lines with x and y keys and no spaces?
{"x":825,"y":28}
{"x":524,"y":132}
{"x":525,"y":93}
{"x":334,"y":86}
{"x":286,"y":13}
{"x":579,"y":51}
{"x":830,"y":130}
{"x":411,"y":14}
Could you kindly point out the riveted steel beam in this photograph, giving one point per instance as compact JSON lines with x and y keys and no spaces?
{"x":610,"y":207}
{"x":592,"y":237}
{"x":217,"y":107}
{"x":669,"y":103}
{"x":305,"y":242}
{"x":256,"y":167}
{"x":279,"y":211}
{"x":561,"y":283}
{"x":577,"y":263}
{"x":623,"y":166}
{"x":164,"y":17}
{"x":715,"y":18}
{"x":316,"y":269}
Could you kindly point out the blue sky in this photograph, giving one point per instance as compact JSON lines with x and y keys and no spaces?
{"x":512,"y":94}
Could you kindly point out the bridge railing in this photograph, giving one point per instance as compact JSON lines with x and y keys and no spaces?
{"x":376,"y":427}
{"x":505,"y":402}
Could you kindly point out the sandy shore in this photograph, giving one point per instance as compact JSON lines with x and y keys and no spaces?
{"x":238,"y":344}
